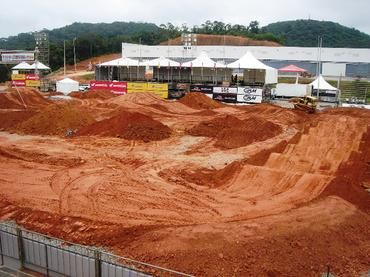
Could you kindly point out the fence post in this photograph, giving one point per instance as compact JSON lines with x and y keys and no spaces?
{"x":20,"y":246}
{"x":46,"y":260}
{"x":1,"y":251}
{"x":97,"y":256}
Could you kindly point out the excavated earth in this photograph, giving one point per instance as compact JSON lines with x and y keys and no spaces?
{"x":210,"y":190}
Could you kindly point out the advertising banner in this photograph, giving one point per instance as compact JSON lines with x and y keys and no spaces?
{"x":225,"y":97}
{"x":137,"y":87}
{"x":157,"y":87}
{"x":18,"y":77}
{"x":18,"y":83}
{"x":114,"y":87}
{"x":249,"y":98}
{"x":176,"y":94}
{"x":250,"y":90}
{"x":33,"y":83}
{"x":32,"y":77}
{"x":201,"y":88}
{"x":17,"y":57}
{"x":226,"y":90}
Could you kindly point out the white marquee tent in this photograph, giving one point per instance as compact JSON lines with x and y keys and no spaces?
{"x":67,"y":85}
{"x":248,"y":61}
{"x":162,"y":62}
{"x":40,"y":66}
{"x":203,"y":61}
{"x":323,"y":84}
{"x":22,"y":66}
{"x":124,"y":61}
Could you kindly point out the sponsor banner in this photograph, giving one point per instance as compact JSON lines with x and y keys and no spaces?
{"x":18,"y":77}
{"x":99,"y":85}
{"x":225,"y":97}
{"x":209,"y":95}
{"x":32,"y":77}
{"x":182,"y":86}
{"x":18,"y":83}
{"x":250,"y":90}
{"x":157,"y":87}
{"x":137,"y":87}
{"x":201,"y":88}
{"x":249,"y":98}
{"x":33,"y":83}
{"x":226,"y":90}
{"x":114,"y":87}
{"x":176,"y":94}
{"x":17,"y":57}
{"x":163,"y":94}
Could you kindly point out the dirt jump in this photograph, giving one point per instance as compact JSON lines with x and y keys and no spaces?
{"x":193,"y":185}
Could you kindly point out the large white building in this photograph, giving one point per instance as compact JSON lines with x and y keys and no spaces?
{"x":335,"y":62}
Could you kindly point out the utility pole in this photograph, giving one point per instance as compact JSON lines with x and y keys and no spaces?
{"x":319,"y":67}
{"x":64,"y":43}
{"x":74,"y":53}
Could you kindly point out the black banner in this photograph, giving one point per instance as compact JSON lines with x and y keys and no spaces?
{"x":225,"y":97}
{"x":176,"y":94}
{"x":201,"y":88}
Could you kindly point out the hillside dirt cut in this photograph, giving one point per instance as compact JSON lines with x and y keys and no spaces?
{"x":199,"y":187}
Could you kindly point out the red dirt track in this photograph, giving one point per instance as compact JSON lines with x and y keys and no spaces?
{"x":207,"y":190}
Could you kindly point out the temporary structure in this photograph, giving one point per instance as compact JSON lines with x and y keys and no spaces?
{"x":293,"y":69}
{"x":67,"y":85}
{"x":39,"y":66}
{"x":321,"y":84}
{"x":162,"y":62}
{"x":203,"y":61}
{"x":324,"y":90}
{"x":249,"y":62}
{"x":22,"y":66}
{"x":203,"y":68}
{"x":122,"y":69}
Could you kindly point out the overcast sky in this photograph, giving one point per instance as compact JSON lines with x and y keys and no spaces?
{"x":33,"y":15}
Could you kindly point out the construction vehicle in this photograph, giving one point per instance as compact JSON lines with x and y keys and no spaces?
{"x":307,"y":104}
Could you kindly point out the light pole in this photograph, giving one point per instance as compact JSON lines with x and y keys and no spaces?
{"x":74,"y":53}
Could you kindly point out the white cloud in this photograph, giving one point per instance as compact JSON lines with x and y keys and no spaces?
{"x":37,"y":14}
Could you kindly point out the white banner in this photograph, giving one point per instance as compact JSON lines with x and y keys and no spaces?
{"x":250,"y":90}
{"x":17,"y":57}
{"x":225,"y":90}
{"x":249,"y":98}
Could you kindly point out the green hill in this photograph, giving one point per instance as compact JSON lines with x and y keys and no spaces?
{"x":305,"y":33}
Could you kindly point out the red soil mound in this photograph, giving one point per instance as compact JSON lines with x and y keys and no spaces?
{"x":93,"y":94}
{"x":197,"y":100}
{"x":14,"y":100}
{"x":130,"y":126}
{"x":232,"y":132}
{"x":56,"y":120}
{"x":353,"y":177}
{"x":10,"y":119}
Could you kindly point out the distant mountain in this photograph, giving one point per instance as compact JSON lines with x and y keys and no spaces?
{"x":305,"y":33}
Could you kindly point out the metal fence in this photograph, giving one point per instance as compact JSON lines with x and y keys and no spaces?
{"x":20,"y":248}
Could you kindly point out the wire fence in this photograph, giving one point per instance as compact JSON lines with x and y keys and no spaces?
{"x":21,"y":248}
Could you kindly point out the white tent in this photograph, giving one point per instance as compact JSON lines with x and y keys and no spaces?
{"x":162,"y":62}
{"x":248,"y":61}
{"x":67,"y":85}
{"x":22,"y":66}
{"x":324,"y":85}
{"x":124,"y":61}
{"x":40,"y":66}
{"x":203,"y":61}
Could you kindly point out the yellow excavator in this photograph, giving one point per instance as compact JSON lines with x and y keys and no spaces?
{"x":307,"y":104}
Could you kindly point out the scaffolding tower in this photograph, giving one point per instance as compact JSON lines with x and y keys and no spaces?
{"x":42,"y":44}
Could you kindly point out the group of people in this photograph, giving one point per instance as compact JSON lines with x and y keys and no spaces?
{"x":234,"y":79}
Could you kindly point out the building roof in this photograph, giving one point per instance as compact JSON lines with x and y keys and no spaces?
{"x":292,"y":68}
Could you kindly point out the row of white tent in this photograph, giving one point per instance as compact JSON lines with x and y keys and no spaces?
{"x":25,"y":66}
{"x":248,"y":61}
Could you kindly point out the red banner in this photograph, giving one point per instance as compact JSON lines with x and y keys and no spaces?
{"x":114,"y":87}
{"x":32,"y":77}
{"x":18,"y":83}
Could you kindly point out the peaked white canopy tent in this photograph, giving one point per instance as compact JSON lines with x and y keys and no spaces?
{"x":321,"y":84}
{"x":67,"y":85}
{"x":122,"y":68}
{"x":204,"y":69}
{"x":39,"y":66}
{"x":22,"y":66}
{"x":162,"y":62}
{"x":254,"y":70}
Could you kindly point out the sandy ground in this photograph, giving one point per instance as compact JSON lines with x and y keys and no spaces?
{"x":186,"y":204}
